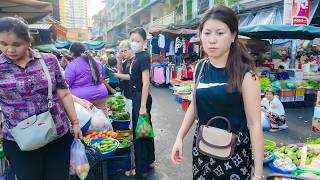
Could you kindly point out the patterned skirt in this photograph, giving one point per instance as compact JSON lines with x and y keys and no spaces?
{"x":236,"y":168}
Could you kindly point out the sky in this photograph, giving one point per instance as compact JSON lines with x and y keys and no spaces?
{"x":94,"y":6}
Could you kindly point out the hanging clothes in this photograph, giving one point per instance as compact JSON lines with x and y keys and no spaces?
{"x":161,"y":41}
{"x":168,"y":74}
{"x":159,"y":75}
{"x":187,"y":43}
{"x":178,"y":44}
{"x":167,"y":45}
{"x":171,"y":48}
{"x":155,"y":46}
{"x":183,"y":45}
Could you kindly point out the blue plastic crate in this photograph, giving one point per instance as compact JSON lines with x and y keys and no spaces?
{"x":119,"y":164}
{"x":110,"y":153}
{"x":120,"y":124}
{"x":178,"y":99}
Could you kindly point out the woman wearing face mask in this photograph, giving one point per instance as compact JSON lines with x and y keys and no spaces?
{"x":141,"y":102}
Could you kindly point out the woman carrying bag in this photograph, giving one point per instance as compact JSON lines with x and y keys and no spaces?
{"x":32,"y":86}
{"x":226,"y":93}
{"x":141,"y":102}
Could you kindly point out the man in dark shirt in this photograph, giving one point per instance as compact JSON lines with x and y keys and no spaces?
{"x":282,"y":74}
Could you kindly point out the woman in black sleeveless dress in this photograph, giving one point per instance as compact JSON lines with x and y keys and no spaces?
{"x":227,"y":87}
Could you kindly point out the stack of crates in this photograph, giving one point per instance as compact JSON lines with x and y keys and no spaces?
{"x":299,"y":94}
{"x":287,"y":95}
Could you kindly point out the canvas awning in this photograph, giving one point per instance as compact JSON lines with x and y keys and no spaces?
{"x":30,"y":10}
{"x":280,"y":32}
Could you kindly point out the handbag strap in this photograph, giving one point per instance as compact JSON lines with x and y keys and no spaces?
{"x":46,"y":71}
{"x":194,"y":101}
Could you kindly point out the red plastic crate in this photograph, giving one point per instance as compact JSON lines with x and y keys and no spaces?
{"x":185,"y":104}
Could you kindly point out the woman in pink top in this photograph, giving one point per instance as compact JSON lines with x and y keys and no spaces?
{"x":84,"y":77}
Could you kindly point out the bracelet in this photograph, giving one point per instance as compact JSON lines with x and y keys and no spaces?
{"x":259,"y":177}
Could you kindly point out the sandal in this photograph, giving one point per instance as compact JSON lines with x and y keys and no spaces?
{"x":130,"y":173}
{"x":152,"y":165}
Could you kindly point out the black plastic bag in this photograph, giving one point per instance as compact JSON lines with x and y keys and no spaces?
{"x":93,"y":154}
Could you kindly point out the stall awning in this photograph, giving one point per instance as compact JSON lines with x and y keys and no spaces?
{"x":30,"y":10}
{"x":62,"y":44}
{"x":280,"y":32}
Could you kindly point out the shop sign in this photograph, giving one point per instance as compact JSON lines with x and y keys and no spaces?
{"x":287,"y":11}
{"x":300,"y":12}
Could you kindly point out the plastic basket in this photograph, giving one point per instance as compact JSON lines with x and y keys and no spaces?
{"x":111,"y":152}
{"x":287,"y":93}
{"x":178,"y":99}
{"x":99,"y":171}
{"x":185,"y":104}
{"x":277,"y":176}
{"x":120,"y":124}
{"x":86,"y":127}
{"x":269,"y":145}
{"x":119,"y":164}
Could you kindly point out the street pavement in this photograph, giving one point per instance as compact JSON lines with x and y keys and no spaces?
{"x":167,"y":116}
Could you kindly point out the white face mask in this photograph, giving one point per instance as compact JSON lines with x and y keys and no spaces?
{"x":136,"y":47}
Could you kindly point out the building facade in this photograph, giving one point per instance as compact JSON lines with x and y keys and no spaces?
{"x":121,"y":16}
{"x":74,"y":17}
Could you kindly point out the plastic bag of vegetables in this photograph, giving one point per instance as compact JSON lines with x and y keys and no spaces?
{"x":79,"y":164}
{"x":99,"y":121}
{"x":144,"y":128}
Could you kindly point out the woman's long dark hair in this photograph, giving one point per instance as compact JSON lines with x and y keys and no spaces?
{"x":79,"y":49}
{"x":239,"y":61}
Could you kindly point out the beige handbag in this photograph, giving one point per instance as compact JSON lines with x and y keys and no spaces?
{"x":211,"y":141}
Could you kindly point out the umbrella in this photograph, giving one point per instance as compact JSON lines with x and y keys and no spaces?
{"x":280,"y":32}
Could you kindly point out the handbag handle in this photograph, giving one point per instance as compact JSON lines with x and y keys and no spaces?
{"x":222,"y":118}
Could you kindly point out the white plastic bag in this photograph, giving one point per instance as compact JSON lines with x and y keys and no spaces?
{"x":79,"y":164}
{"x":265,"y":122}
{"x":99,"y":121}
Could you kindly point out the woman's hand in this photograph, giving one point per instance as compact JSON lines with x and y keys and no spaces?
{"x":177,"y":152}
{"x":117,"y":75}
{"x":76,"y":131}
{"x":143,"y":110}
{"x":87,"y":104}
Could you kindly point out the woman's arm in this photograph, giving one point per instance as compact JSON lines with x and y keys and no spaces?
{"x":145,"y":91}
{"x":122,"y":76}
{"x":88,"y":105}
{"x":69,"y":75}
{"x":68,"y":103}
{"x":251,"y":98}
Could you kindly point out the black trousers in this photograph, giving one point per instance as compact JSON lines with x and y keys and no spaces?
{"x":50,"y":162}
{"x":143,"y":148}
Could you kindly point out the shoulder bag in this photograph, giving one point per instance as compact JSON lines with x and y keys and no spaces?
{"x":37,"y":130}
{"x":211,"y":141}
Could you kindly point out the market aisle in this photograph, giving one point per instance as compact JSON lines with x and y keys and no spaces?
{"x":167,"y":116}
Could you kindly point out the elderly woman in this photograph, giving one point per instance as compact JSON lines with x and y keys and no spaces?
{"x":272,"y":111}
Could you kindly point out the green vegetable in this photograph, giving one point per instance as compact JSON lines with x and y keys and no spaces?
{"x":124,"y":144}
{"x":265,"y":82}
{"x":121,"y":116}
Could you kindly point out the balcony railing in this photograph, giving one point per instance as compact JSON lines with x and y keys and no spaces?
{"x":165,"y":20}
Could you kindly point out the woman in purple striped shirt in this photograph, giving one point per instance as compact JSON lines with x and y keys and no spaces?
{"x":23,"y":93}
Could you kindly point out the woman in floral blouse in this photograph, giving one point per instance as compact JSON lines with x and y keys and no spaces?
{"x":23,"y":93}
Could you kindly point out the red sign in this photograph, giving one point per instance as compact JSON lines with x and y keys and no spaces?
{"x":300,"y":12}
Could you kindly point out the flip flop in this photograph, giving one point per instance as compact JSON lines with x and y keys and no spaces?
{"x":130,"y":173}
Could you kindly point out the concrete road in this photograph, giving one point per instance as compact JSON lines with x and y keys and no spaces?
{"x":167,"y":116}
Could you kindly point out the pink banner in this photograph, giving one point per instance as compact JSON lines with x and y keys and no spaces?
{"x":300,"y":12}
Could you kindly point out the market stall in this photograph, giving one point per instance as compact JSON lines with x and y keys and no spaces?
{"x":297,"y":56}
